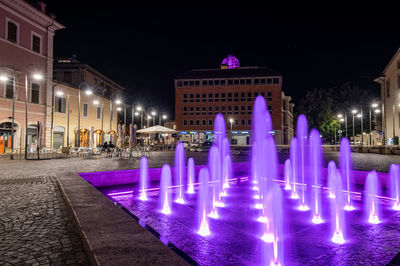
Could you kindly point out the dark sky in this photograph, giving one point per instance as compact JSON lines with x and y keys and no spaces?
{"x":144,"y":47}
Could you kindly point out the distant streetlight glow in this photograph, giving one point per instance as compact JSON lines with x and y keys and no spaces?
{"x":136,"y":113}
{"x":118,"y":101}
{"x":149,"y":117}
{"x":374,"y":105}
{"x":359,"y":115}
{"x":377,"y":111}
{"x":3,"y":78}
{"x":354,"y":111}
{"x":96,"y":102}
{"x":139,"y":108}
{"x":88,"y":92}
{"x":153,"y":113}
{"x":341,"y":120}
{"x":119,"y":108}
{"x":164,"y":117}
{"x":60,"y":93}
{"x":339,"y":115}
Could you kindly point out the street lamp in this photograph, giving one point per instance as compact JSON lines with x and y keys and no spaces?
{"x":36,"y":76}
{"x":374,"y":105}
{"x":231,"y":122}
{"x":140,"y":109}
{"x":161,"y":117}
{"x":362,"y":132}
{"x":354,"y":112}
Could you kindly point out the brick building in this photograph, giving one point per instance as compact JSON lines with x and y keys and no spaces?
{"x":200,"y":94}
{"x":26,"y":53}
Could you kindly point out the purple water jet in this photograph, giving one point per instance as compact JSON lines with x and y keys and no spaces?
{"x":273,"y":230}
{"x":395,"y":185}
{"x":372,"y":190}
{"x":165,"y":194}
{"x":203,"y":203}
{"x":316,"y":164}
{"x":190,"y":174}
{"x":215,"y":175}
{"x":332,"y":178}
{"x":295,"y":163}
{"x":288,"y":174}
{"x":144,"y":169}
{"x":226,"y":173}
{"x":179,"y":171}
{"x":337,"y":211}
{"x":302,"y":136}
{"x":346,"y":169}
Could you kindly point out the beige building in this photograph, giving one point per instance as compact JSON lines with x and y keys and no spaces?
{"x":390,"y":97}
{"x":95,"y":111}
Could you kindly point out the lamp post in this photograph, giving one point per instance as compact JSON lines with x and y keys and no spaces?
{"x":35,"y":76}
{"x":231,"y":122}
{"x":340,"y":116}
{"x":374,"y":105}
{"x":354,"y":112}
{"x":161,"y":117}
{"x":153,"y":114}
{"x":140,"y":109}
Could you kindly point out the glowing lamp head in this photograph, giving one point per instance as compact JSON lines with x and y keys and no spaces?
{"x":377,"y":111}
{"x":153,"y":113}
{"x":88,"y":92}
{"x":139,"y":108}
{"x":3,"y":78}
{"x":37,"y":76}
{"x":339,"y":115}
{"x":118,"y":101}
{"x":164,"y":117}
{"x":60,"y":93}
{"x":119,"y":108}
{"x":359,"y":115}
{"x":95,"y":102}
{"x":231,"y":120}
{"x":341,"y":120}
{"x":374,"y":105}
{"x":149,"y":117}
{"x":136,"y":113}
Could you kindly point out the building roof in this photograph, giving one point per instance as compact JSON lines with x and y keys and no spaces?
{"x":239,"y":72}
{"x":391,"y":60}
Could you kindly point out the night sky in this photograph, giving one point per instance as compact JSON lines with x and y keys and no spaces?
{"x":144,"y":47}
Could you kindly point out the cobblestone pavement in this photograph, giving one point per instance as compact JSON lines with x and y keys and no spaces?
{"x":35,"y":227}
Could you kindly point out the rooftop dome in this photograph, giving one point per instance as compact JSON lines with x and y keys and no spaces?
{"x":231,"y":61}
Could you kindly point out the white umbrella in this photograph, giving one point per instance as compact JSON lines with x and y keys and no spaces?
{"x":118,"y":142}
{"x":123,"y":136}
{"x":91,"y":137}
{"x":131,"y":144}
{"x":156,"y":129}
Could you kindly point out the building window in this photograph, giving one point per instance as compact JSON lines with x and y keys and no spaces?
{"x":249,"y":122}
{"x":98,"y":112}
{"x":242,"y":122}
{"x":210,"y":122}
{"x":197,"y":82}
{"x":262,"y":81}
{"x":269,"y":80}
{"x":191,"y":83}
{"x":216,"y":97}
{"x":242,"y":109}
{"x":179,"y":84}
{"x":12,"y":31}
{"x":36,"y":41}
{"x":197,"y":122}
{"x":204,"y":82}
{"x":256,"y":81}
{"x":248,"y":81}
{"x":203,"y":97}
{"x":263,"y":94}
{"x":255,"y":94}
{"x":242,"y":81}
{"x":388,"y":88}
{"x":210,"y":82}
{"x":197,"y":97}
{"x":185,"y":98}
{"x":185,"y":122}
{"x":35,"y":93}
{"x":191,"y":122}
{"x":204,"y":122}
{"x":85,"y":110}
{"x":222,"y":82}
{"x":236,"y":82}
{"x":223,"y":97}
{"x":216,"y":82}
{"x":9,"y":87}
{"x":191,"y":109}
{"x":60,"y":104}
{"x":184,"y":110}
{"x":185,"y":83}
{"x":275,"y":80}
{"x":230,"y":81}
{"x":270,"y":108}
{"x":236,"y":122}
{"x":210,"y":110}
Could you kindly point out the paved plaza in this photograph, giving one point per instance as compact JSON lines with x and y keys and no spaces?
{"x":35,"y":227}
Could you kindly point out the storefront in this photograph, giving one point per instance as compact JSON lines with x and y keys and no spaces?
{"x":110,"y":136}
{"x":58,"y":137}
{"x":196,"y":137}
{"x":83,"y":136}
{"x":240,"y":138}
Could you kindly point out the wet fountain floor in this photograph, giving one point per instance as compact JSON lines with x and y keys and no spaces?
{"x":235,"y":236}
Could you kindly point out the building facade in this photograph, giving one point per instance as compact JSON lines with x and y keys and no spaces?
{"x":200,"y":94}
{"x":70,"y":123}
{"x":390,"y":99}
{"x":26,"y":59}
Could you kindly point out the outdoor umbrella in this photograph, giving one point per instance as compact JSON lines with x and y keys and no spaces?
{"x":131,"y":136}
{"x":91,"y":136}
{"x":123,"y":136}
{"x":118,"y":142}
{"x":134,"y":135}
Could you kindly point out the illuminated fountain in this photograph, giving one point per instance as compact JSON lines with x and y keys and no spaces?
{"x":226,"y":173}
{"x":273,"y":230}
{"x":395,"y":185}
{"x":332,"y":178}
{"x":144,"y":173}
{"x":315,"y":162}
{"x":302,"y":137}
{"x":295,"y":164}
{"x":372,"y":190}
{"x":337,"y":210}
{"x":215,"y":173}
{"x":190,"y":175}
{"x":165,"y":193}
{"x":203,"y":203}
{"x":346,"y":169}
{"x":179,"y":170}
{"x":288,"y":174}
